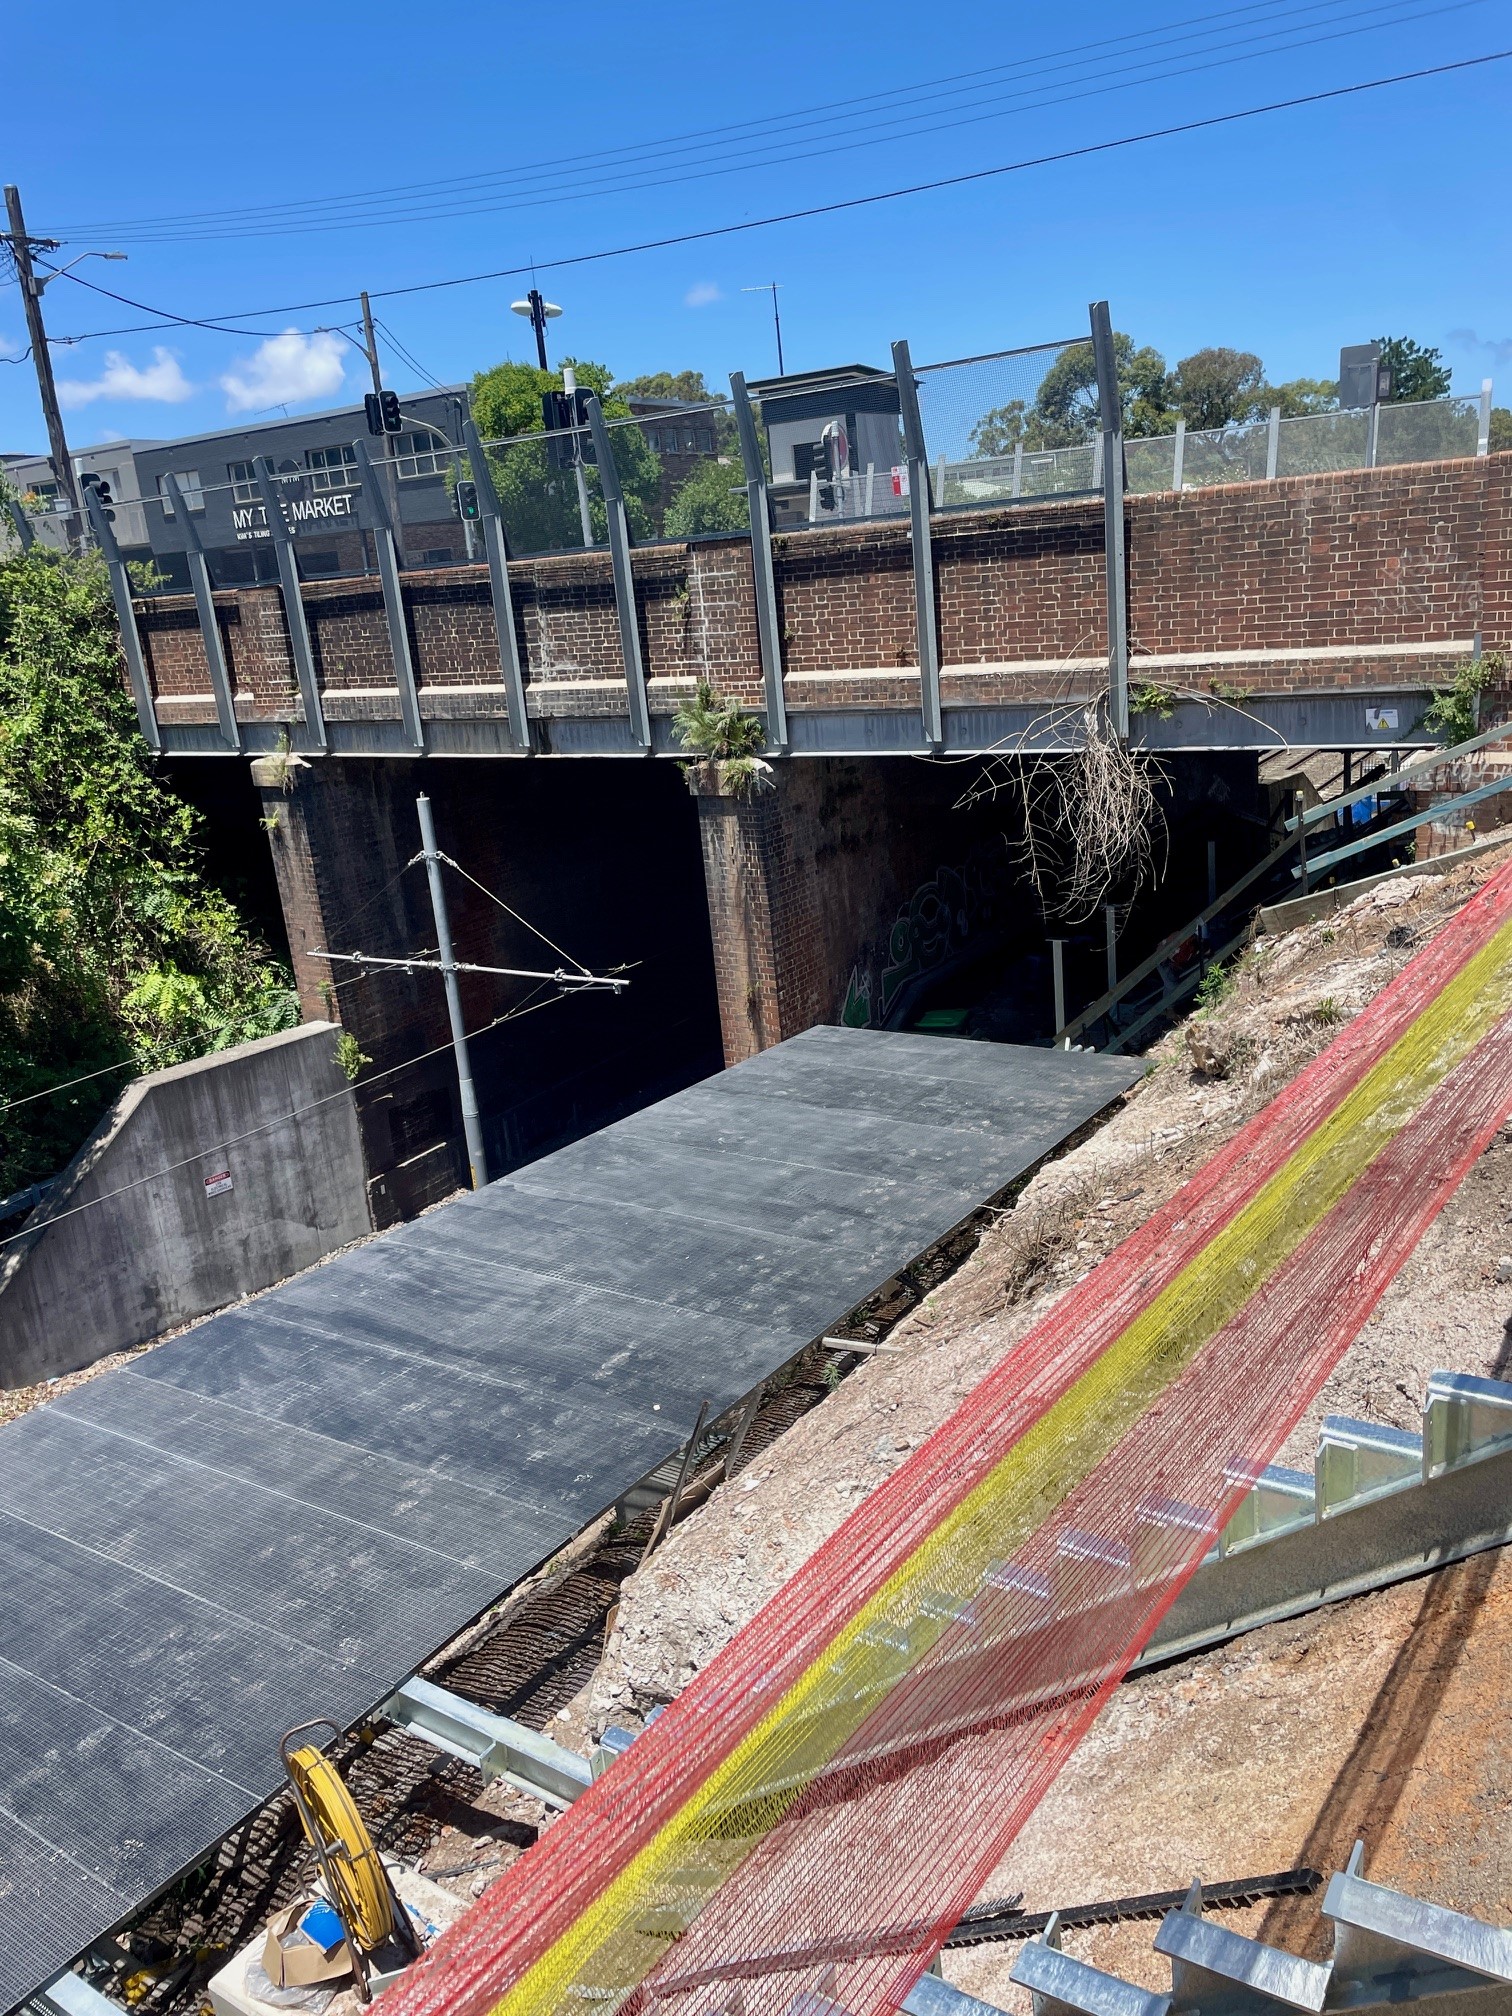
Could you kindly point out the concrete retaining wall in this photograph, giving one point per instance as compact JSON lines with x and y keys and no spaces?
{"x":202,"y":1184}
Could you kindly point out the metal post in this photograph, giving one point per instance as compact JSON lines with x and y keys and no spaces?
{"x":1483,"y":430}
{"x":393,"y":598}
{"x":1097,"y":463}
{"x":768,"y":621}
{"x":293,"y":601}
{"x":22,"y":523}
{"x":1058,"y":971}
{"x":624,"y":578}
{"x":813,"y":496}
{"x":1111,"y":412}
{"x":743,"y":1427}
{"x":1212,"y":854}
{"x":585,"y":516}
{"x":1373,"y":434}
{"x":471,"y":1126}
{"x":1272,"y":444}
{"x":120,"y":593}
{"x":1178,"y":464}
{"x":668,"y":1512}
{"x":926,"y":621}
{"x":1018,"y":467}
{"x":209,"y":623}
{"x":1299,"y":807}
{"x":1110,"y":921}
{"x":871,"y":474}
{"x":496,"y":546}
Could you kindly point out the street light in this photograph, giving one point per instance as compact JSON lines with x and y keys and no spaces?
{"x":537,"y":312}
{"x":41,"y":282}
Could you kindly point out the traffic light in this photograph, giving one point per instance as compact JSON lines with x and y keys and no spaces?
{"x":560,"y":413}
{"x":101,"y":489}
{"x":374,"y":412}
{"x":467,"y":499}
{"x":382,"y":410}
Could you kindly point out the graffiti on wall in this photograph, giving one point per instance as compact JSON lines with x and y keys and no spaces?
{"x":955,"y":910}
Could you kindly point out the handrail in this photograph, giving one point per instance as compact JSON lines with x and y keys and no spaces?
{"x":1317,"y":863}
{"x":1430,"y":761}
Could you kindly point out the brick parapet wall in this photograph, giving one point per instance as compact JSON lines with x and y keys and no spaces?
{"x":1355,"y":570}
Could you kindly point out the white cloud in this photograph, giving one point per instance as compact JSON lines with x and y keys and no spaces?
{"x":703,"y":294}
{"x":285,"y":371}
{"x":121,"y":379}
{"x":1499,"y":351}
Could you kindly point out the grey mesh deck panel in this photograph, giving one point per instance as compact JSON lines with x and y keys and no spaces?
{"x":283,"y":1512}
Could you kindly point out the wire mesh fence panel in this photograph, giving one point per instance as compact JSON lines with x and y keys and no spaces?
{"x":1314,"y":443}
{"x":550,"y":496}
{"x":1021,"y":423}
{"x":1151,"y":463}
{"x":1225,"y":455}
{"x":1430,"y":430}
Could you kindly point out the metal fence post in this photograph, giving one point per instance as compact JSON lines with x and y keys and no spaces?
{"x":1178,"y":463}
{"x":1483,"y":430}
{"x":120,"y":594}
{"x":1373,"y":434}
{"x":1299,"y":804}
{"x":624,"y":578}
{"x":496,"y":547}
{"x":472,"y":1126}
{"x":204,"y":602}
{"x":1058,"y":979}
{"x":22,"y":523}
{"x":393,"y":598}
{"x":1272,"y":443}
{"x":1110,"y":922}
{"x":763,"y":574}
{"x":1110,"y":408}
{"x":293,"y":602}
{"x":926,"y":622}
{"x":1018,"y":467}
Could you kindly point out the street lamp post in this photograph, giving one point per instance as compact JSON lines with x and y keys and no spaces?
{"x":538,"y":312}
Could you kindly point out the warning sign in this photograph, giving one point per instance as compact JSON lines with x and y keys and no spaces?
{"x":215,"y":1185}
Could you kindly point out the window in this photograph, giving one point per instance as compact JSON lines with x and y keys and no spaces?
{"x":189,"y":483}
{"x":311,"y":564}
{"x":418,"y":454}
{"x":706,"y":441}
{"x":332,"y":468}
{"x":437,"y":556}
{"x":244,"y":488}
{"x":653,"y":435}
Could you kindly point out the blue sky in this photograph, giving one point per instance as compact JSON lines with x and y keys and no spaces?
{"x":1287,"y":235}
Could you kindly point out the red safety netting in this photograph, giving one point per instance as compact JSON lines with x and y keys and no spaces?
{"x":821,"y":1804}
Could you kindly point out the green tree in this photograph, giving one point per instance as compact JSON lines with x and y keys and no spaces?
{"x":1416,"y":372}
{"x":538,"y":500}
{"x":1302,"y":395}
{"x":685,"y":385}
{"x":114,"y":948}
{"x":712,"y":499}
{"x":1065,"y":407}
{"x":1501,"y":429}
{"x":1217,"y":386}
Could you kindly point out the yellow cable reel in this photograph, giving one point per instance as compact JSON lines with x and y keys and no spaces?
{"x":351,"y":1864}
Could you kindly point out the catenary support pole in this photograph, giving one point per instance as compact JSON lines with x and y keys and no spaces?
{"x":36,"y":334}
{"x":624,"y":578}
{"x":390,"y":467}
{"x":926,"y":622}
{"x":131,"y":642}
{"x":768,"y":623}
{"x":393,"y":598}
{"x":496,"y":547}
{"x":471,"y":1126}
{"x":209,"y":623}
{"x":293,"y":601}
{"x":1110,"y":407}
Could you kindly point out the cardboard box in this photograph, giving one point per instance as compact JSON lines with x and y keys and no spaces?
{"x":295,"y":1957}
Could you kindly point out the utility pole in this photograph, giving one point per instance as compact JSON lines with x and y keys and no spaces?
{"x":391,"y":472}
{"x":537,"y":310}
{"x":21,"y":249}
{"x":471,"y":1125}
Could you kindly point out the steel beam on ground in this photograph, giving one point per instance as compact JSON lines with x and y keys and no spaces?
{"x":293,"y":601}
{"x":120,"y":594}
{"x":926,"y":622}
{"x":624,"y":577}
{"x":496,"y":547}
{"x":204,"y":603}
{"x":393,"y":598}
{"x":768,"y":622}
{"x":1110,"y":405}
{"x":499,"y":1747}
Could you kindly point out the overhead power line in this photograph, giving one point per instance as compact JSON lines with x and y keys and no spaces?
{"x":849,"y":203}
{"x":757,"y":145}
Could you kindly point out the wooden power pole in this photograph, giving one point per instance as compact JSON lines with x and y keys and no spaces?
{"x":21,"y":247}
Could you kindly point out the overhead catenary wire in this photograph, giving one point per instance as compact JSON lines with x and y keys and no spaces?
{"x":842,"y":205}
{"x":880,"y":122}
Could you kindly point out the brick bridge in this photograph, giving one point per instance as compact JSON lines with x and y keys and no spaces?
{"x":1317,"y":610}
